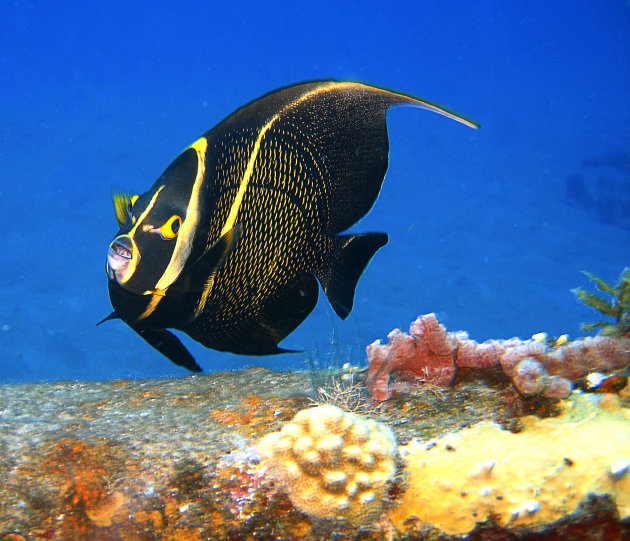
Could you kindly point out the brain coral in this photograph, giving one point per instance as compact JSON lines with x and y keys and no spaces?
{"x":333,"y":464}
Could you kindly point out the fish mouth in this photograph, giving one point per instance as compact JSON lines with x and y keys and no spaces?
{"x":118,"y":251}
{"x":120,"y":259}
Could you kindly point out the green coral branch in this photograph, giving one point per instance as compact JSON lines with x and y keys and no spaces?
{"x":595,"y":325}
{"x":619,"y":307}
{"x":602,"y":306}
{"x":604,"y":286}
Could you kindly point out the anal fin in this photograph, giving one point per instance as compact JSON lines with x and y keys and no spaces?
{"x":351,"y":255}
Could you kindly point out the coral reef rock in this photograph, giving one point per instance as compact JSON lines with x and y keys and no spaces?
{"x":333,"y":464}
{"x":524,"y":480}
{"x":430,"y":354}
{"x":173,"y":460}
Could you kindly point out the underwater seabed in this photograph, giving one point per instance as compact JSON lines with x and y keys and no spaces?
{"x":219,"y":457}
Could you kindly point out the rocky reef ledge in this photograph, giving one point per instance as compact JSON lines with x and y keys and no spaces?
{"x":183,"y":459}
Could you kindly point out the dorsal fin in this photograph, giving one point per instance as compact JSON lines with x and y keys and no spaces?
{"x":343,"y":130}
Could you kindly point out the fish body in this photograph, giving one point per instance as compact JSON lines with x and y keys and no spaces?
{"x":233,"y":240}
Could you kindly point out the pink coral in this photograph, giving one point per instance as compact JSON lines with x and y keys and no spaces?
{"x":426,"y":352}
{"x":430,"y":353}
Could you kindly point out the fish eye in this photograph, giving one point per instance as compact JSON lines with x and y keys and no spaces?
{"x":170,"y":229}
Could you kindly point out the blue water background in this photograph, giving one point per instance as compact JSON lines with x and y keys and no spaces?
{"x":96,"y":96}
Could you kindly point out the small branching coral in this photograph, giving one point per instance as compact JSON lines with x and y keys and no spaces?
{"x":336,"y":382}
{"x":345,"y":393}
{"x":618,"y":307}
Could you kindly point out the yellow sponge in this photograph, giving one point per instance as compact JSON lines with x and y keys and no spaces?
{"x":531,"y":479}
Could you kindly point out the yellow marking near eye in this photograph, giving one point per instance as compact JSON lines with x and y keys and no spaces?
{"x":146,"y":211}
{"x":187,"y":229}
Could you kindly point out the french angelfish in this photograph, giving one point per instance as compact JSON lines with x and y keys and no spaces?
{"x":230,"y":242}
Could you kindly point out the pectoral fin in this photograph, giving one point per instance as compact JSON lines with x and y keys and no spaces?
{"x":212,"y":260}
{"x":109,"y":317}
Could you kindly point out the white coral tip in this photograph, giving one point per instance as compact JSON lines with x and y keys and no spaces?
{"x":620,"y":468}
{"x":484,"y":470}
